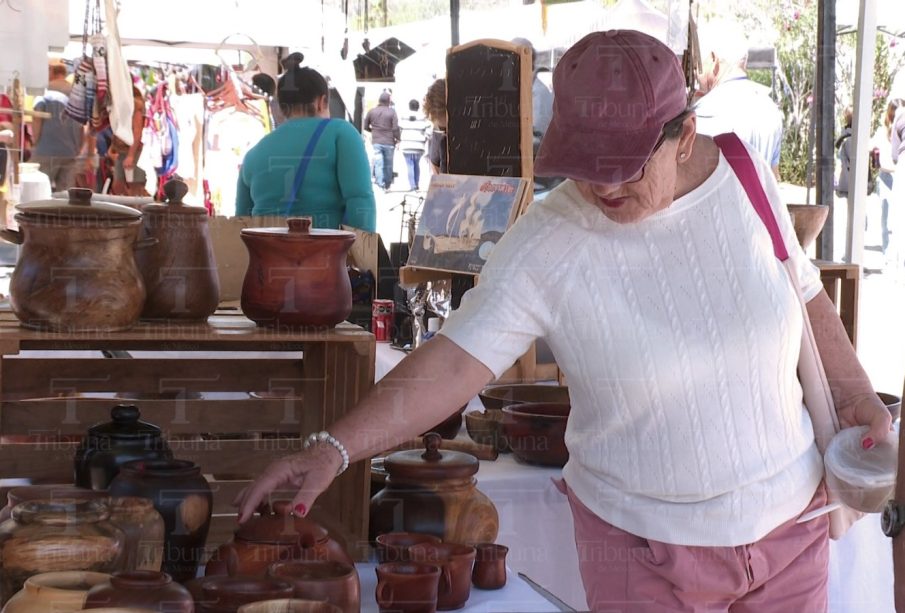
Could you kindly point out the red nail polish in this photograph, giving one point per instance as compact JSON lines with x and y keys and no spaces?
{"x":300,"y":510}
{"x":867,"y":443}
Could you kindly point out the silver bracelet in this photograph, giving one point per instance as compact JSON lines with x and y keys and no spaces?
{"x":325,"y":437}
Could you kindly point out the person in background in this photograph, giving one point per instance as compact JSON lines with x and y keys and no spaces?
{"x":730,"y":101}
{"x":654,"y":281}
{"x":895,"y":117}
{"x":881,"y":141}
{"x":415,"y":132}
{"x":311,"y":165}
{"x":383,"y":124}
{"x":128,"y":177}
{"x":58,"y":139}
{"x":541,"y":96}
{"x":435,"y":111}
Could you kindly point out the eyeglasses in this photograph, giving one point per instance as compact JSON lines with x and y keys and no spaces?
{"x":640,"y":174}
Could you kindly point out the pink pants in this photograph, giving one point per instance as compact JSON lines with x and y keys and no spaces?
{"x":784,"y":572}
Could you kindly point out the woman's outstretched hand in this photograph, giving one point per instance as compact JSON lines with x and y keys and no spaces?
{"x":309,"y":472}
{"x":867,"y":410}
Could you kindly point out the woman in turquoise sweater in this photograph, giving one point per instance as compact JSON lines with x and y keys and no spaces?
{"x":310,"y":165}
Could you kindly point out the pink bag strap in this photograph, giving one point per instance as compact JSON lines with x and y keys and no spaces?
{"x":740,"y":161}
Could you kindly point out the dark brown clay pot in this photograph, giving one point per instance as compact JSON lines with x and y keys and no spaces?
{"x":47,"y":492}
{"x":407,"y":587}
{"x":297,"y":275}
{"x":433,"y":492}
{"x":179,"y":272}
{"x":76,"y":269}
{"x":274,"y":536}
{"x":456,"y":563}
{"x":183,"y":498}
{"x":111,"y":444}
{"x":227,"y":594}
{"x":44,"y":536}
{"x":149,"y":590}
{"x":333,"y":582}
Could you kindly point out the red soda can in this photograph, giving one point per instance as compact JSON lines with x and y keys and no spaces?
{"x":382,"y":319}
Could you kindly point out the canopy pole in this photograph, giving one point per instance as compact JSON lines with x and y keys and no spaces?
{"x":824,"y":104}
{"x":454,"y":21}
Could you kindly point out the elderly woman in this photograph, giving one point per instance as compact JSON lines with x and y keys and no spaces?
{"x":654,"y":282}
{"x":310,"y":165}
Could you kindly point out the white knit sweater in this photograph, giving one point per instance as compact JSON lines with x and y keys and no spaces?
{"x":679,"y":339}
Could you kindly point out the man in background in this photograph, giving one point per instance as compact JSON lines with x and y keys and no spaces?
{"x":730,"y":101}
{"x":383,"y":124}
{"x":58,"y":139}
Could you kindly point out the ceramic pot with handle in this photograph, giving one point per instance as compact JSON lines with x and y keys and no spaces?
{"x":297,"y":275}
{"x":76,"y":269}
{"x":179,"y":272}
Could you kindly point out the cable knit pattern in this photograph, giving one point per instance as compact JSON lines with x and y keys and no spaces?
{"x":679,"y":337}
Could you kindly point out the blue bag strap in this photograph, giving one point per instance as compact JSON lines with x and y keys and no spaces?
{"x":740,"y":161}
{"x":303,"y":164}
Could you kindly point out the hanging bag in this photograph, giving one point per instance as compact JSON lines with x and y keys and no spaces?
{"x":817,"y":396}
{"x":121,"y":104}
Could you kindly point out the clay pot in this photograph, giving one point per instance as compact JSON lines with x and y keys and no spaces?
{"x":149,"y":590}
{"x":394,"y":546}
{"x":49,"y":536}
{"x":433,"y":492}
{"x":183,"y":498}
{"x":110,"y":445}
{"x":76,"y":269}
{"x":179,"y":273}
{"x":456,"y":563}
{"x":227,"y":594}
{"x":275,"y":535}
{"x":407,"y":588}
{"x":297,"y":275}
{"x":495,"y":397}
{"x":537,"y":432}
{"x":490,"y":566}
{"x":47,"y":492}
{"x":808,"y":220}
{"x":290,"y":605}
{"x":487,"y":429}
{"x":144,"y":530}
{"x":333,"y":582}
{"x":54,"y":592}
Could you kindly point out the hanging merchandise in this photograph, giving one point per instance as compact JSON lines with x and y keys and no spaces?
{"x":119,"y":81}
{"x":162,"y":135}
{"x":84,"y":88}
{"x":99,"y":116}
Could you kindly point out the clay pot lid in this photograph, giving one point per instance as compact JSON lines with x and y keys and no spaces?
{"x":80,"y":205}
{"x":175,"y":190}
{"x":299,"y":228}
{"x":125,"y":425}
{"x":431,"y":464}
{"x":275,"y":525}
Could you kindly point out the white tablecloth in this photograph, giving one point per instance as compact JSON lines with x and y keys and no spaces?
{"x":536,"y":525}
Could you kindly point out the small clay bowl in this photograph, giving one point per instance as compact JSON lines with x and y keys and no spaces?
{"x":487,"y":429}
{"x":498,"y":396}
{"x":537,"y":432}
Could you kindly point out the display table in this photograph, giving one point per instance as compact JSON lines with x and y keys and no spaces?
{"x":515,"y":596}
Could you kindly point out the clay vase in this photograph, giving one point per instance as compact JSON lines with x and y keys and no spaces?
{"x":433,"y":492}
{"x":275,"y":535}
{"x":333,"y":582}
{"x":47,"y":492}
{"x":407,"y":587}
{"x":297,"y":276}
{"x":179,"y":272}
{"x":227,"y":594}
{"x":141,"y":589}
{"x":144,"y":530}
{"x":489,"y":566}
{"x":456,"y":564}
{"x":54,"y":592}
{"x":111,"y":444}
{"x":183,"y":498}
{"x":290,"y":605}
{"x":44,"y":536}
{"x":76,"y":269}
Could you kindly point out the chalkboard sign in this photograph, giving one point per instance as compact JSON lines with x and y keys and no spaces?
{"x":488,"y":104}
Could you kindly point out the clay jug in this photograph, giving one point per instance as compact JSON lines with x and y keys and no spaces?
{"x":141,"y":589}
{"x":180,"y":273}
{"x":433,"y":492}
{"x":275,"y":535}
{"x":297,"y":275}
{"x":333,"y":582}
{"x":54,"y":592}
{"x":144,"y":530}
{"x":182,"y":496}
{"x":111,"y":444}
{"x":46,"y":536}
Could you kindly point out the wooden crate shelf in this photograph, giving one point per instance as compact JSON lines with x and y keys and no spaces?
{"x":204,"y":384}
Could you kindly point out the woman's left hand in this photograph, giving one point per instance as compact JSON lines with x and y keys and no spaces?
{"x":867,"y":410}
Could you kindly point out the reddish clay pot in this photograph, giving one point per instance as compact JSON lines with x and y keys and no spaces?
{"x":179,"y":272}
{"x":297,"y":275}
{"x":274,"y":536}
{"x":334,"y":582}
{"x":149,"y":590}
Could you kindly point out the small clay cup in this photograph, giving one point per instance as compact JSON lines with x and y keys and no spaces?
{"x":393,"y":546}
{"x":407,"y":588}
{"x":456,"y":563}
{"x":489,"y":566}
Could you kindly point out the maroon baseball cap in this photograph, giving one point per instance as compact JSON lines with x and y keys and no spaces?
{"x":613,"y":92}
